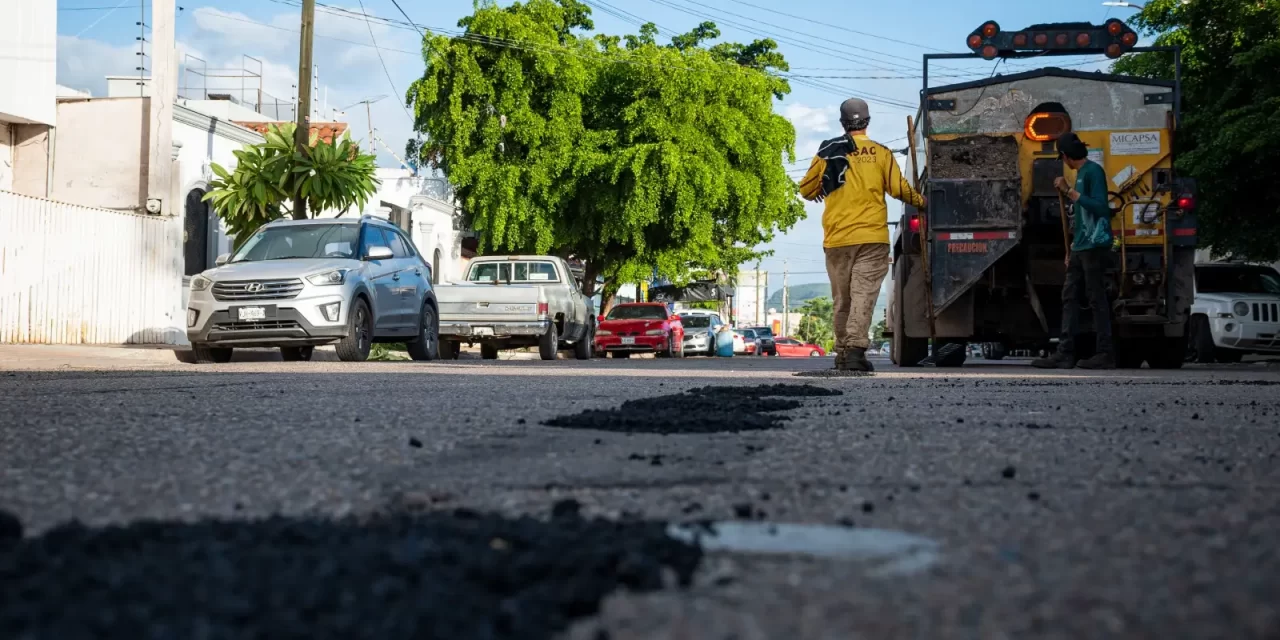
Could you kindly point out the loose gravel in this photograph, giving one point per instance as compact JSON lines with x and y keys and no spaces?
{"x":458,"y":575}
{"x":702,"y":410}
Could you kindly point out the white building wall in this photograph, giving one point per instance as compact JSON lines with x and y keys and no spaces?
{"x":204,"y":141}
{"x":432,"y":217}
{"x":28,"y":61}
{"x":6,"y":157}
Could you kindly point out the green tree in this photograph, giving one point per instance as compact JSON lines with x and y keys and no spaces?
{"x":622,"y":152}
{"x":815,"y":325}
{"x":1229,"y":140}
{"x":333,"y":176}
{"x":877,"y":332}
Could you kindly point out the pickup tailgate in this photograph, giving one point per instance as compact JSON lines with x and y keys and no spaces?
{"x":488,"y":303}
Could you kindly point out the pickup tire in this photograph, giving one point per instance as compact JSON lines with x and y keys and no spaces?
{"x":355,"y":347}
{"x":904,"y":351}
{"x":449,"y":350}
{"x":586,"y":344}
{"x":297,"y":354}
{"x":488,"y":350}
{"x":549,"y":343}
{"x":1200,"y":347}
{"x":427,"y":345}
{"x":204,"y":354}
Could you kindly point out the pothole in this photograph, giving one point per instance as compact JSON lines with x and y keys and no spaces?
{"x":702,"y":410}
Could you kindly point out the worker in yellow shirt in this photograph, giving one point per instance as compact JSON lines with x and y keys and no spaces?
{"x":851,"y":175}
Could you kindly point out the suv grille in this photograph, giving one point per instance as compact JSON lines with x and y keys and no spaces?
{"x":1266,"y":312}
{"x":257,"y":325}
{"x":257,"y":289}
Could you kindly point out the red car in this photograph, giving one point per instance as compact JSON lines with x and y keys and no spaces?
{"x":640,"y":327}
{"x":790,"y":347}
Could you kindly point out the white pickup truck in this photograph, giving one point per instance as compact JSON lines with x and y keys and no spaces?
{"x":508,"y":302}
{"x":1236,"y":312}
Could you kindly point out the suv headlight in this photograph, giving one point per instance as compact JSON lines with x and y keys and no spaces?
{"x":200,"y":283}
{"x":336,"y":276}
{"x":1241,"y":309}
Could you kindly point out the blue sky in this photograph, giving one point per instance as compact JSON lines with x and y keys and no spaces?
{"x":866,"y":49}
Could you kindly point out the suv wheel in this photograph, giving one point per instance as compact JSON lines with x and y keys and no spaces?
{"x":549,"y":343}
{"x":427,"y":345}
{"x":202,"y":353}
{"x":297,"y":354}
{"x":355,"y":347}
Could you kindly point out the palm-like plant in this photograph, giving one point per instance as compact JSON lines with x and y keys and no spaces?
{"x":331,"y":176}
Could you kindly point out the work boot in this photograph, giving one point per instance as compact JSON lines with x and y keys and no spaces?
{"x":856,"y":360}
{"x":842,"y":356}
{"x":1100,"y":361}
{"x":1055,"y":361}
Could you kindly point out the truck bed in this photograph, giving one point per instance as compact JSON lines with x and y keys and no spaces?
{"x":488,"y":303}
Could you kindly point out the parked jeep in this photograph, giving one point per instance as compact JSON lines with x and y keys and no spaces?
{"x":299,"y":284}
{"x":1236,"y":312}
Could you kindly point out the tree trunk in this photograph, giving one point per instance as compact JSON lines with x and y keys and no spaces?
{"x":590,"y":273}
{"x":608,"y":296}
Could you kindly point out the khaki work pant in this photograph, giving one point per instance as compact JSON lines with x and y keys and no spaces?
{"x":856,"y":272}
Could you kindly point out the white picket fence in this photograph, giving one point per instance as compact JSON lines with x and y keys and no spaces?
{"x":78,"y":275}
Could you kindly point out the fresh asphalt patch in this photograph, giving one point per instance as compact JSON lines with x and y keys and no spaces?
{"x":833,"y":373}
{"x":460,"y":575}
{"x":701,"y":410}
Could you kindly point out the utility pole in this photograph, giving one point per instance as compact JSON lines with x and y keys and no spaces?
{"x":786,"y":308}
{"x":368,"y":113}
{"x":164,"y":75}
{"x":302,"y":137}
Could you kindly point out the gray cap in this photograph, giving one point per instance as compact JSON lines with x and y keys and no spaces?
{"x":853,"y":110}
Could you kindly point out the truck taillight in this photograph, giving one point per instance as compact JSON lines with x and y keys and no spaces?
{"x":1187,"y":203}
{"x":914,"y":224}
{"x":542,"y":309}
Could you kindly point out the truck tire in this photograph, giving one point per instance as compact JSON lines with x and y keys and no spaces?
{"x":355,"y":347}
{"x":904,"y":351}
{"x":202,"y":353}
{"x":1130,"y":354}
{"x":427,"y":345}
{"x":297,"y":354}
{"x":449,"y":349}
{"x":583,"y":348}
{"x":549,"y":343}
{"x":957,"y":360}
{"x":489,"y":350}
{"x":1200,"y":338}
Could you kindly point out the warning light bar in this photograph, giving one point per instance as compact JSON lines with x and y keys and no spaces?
{"x":1113,"y":38}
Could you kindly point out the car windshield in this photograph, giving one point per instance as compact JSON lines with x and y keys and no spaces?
{"x":747,"y":333}
{"x":637,"y":312}
{"x":764,"y":332}
{"x":1242,"y":279}
{"x":696,"y":322}
{"x":300,"y":241}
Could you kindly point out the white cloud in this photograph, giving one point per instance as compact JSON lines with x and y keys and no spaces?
{"x":85,"y":64}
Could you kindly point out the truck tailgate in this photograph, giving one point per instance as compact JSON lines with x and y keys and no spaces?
{"x":485,"y":302}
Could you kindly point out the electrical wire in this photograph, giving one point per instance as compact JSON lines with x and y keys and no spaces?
{"x":399,"y":96}
{"x":101,"y":18}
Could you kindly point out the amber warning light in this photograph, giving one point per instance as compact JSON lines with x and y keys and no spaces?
{"x":1113,"y":39}
{"x":1044,"y":127}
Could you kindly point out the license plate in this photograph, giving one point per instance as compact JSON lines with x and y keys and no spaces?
{"x":482,"y":331}
{"x":628,"y":341}
{"x":252,"y":313}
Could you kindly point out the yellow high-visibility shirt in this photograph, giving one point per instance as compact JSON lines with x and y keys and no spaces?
{"x":855,"y":212}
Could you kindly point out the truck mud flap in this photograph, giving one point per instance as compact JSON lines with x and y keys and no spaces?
{"x":973,"y":223}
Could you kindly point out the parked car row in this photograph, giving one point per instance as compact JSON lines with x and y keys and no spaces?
{"x":299,"y":284}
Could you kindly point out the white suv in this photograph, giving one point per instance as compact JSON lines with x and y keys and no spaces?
{"x":298,"y":284}
{"x":1236,"y":312}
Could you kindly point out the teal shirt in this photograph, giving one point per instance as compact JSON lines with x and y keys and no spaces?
{"x":1093,"y":213}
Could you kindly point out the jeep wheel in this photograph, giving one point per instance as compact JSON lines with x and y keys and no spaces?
{"x":427,"y":344}
{"x":297,"y":354}
{"x":202,"y":353}
{"x":355,"y":347}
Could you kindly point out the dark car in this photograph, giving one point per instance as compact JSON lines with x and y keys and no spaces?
{"x":767,"y":345}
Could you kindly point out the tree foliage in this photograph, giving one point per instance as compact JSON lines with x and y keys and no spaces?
{"x":1229,"y":140}
{"x":815,"y":324}
{"x":623,"y":152}
{"x":332,"y":176}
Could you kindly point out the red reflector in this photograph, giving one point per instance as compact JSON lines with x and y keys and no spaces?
{"x":1184,"y":232}
{"x":1186,"y":203}
{"x":542,"y":308}
{"x":914,"y":224}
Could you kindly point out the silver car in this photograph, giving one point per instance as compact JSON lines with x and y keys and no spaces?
{"x":298,"y":284}
{"x":700,"y":327}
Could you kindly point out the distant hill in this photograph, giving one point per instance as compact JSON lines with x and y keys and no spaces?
{"x":799,"y":294}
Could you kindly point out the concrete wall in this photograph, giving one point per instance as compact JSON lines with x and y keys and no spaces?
{"x":101,"y":153}
{"x":28,"y":61}
{"x":32,"y":155}
{"x":6,"y":156}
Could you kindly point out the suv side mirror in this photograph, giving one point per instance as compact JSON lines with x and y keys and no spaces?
{"x":378,"y":252}
{"x":221,"y":260}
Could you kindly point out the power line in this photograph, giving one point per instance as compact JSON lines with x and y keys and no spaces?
{"x":391,"y":82}
{"x":224,"y":16}
{"x":861,"y":33}
{"x":102,"y":17}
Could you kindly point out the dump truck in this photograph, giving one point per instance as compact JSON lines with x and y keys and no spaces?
{"x":984,"y":262}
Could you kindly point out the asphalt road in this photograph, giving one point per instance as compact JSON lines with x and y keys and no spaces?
{"x":1137,"y":504}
